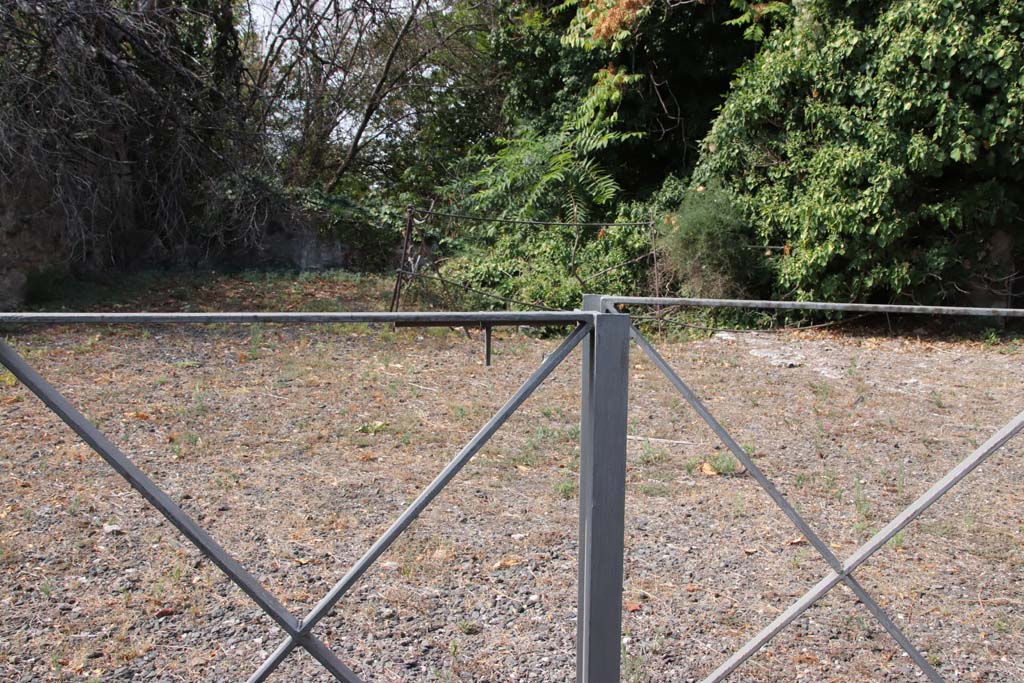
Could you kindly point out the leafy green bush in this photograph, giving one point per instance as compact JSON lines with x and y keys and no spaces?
{"x":882,"y":143}
{"x":710,"y":246}
{"x":554,"y":266}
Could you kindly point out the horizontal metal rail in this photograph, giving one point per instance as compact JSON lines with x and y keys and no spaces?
{"x":419,"y":318}
{"x":814,"y":306}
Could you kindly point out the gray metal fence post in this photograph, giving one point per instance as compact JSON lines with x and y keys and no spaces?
{"x":602,"y":497}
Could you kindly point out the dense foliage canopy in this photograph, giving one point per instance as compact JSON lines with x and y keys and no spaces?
{"x":881,"y":145}
{"x":807,"y":148}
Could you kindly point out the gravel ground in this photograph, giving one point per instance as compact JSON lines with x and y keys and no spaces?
{"x":296,"y":447}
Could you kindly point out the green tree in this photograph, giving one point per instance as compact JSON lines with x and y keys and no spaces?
{"x":881,"y":144}
{"x":603,"y":100}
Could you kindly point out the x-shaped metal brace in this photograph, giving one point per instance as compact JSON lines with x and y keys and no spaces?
{"x":841,"y":571}
{"x":298,"y":633}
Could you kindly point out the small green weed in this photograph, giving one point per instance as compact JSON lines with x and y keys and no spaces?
{"x":723,"y":463}
{"x":651,"y":455}
{"x":861,"y":502}
{"x":655,"y":489}
{"x":821,"y":390}
{"x":372,"y":428}
{"x":469,"y":628}
{"x":566,"y":489}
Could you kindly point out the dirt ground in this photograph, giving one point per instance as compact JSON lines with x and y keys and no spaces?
{"x":297,"y":446}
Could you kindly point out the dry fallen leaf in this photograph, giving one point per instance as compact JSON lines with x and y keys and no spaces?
{"x":708,"y":469}
{"x":631,"y":606}
{"x":797,"y":540}
{"x":506,"y":562}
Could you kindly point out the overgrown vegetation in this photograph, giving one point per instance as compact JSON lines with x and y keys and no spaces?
{"x":842,"y":151}
{"x":880,"y":144}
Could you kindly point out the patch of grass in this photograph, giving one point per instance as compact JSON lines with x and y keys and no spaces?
{"x":723,"y":462}
{"x":652,"y":456}
{"x":566,"y":489}
{"x":199,"y":402}
{"x":525,"y":458}
{"x":861,"y":503}
{"x":469,"y":628}
{"x":255,"y":340}
{"x":552,"y":412}
{"x":372,"y":428}
{"x":655,"y":489}
{"x":821,"y":390}
{"x":739,"y":505}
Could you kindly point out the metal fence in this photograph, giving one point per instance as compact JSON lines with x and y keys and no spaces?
{"x":604,"y":333}
{"x":842,"y":571}
{"x":605,"y":340}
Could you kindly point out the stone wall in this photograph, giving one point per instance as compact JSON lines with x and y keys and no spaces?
{"x":30,"y":237}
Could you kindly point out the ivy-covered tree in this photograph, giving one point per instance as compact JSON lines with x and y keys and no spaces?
{"x":603,"y":100}
{"x":880,"y":146}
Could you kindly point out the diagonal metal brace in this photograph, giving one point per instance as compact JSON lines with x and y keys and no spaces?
{"x":423,"y":500}
{"x":841,"y":573}
{"x":861,"y":555}
{"x":60,"y":406}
